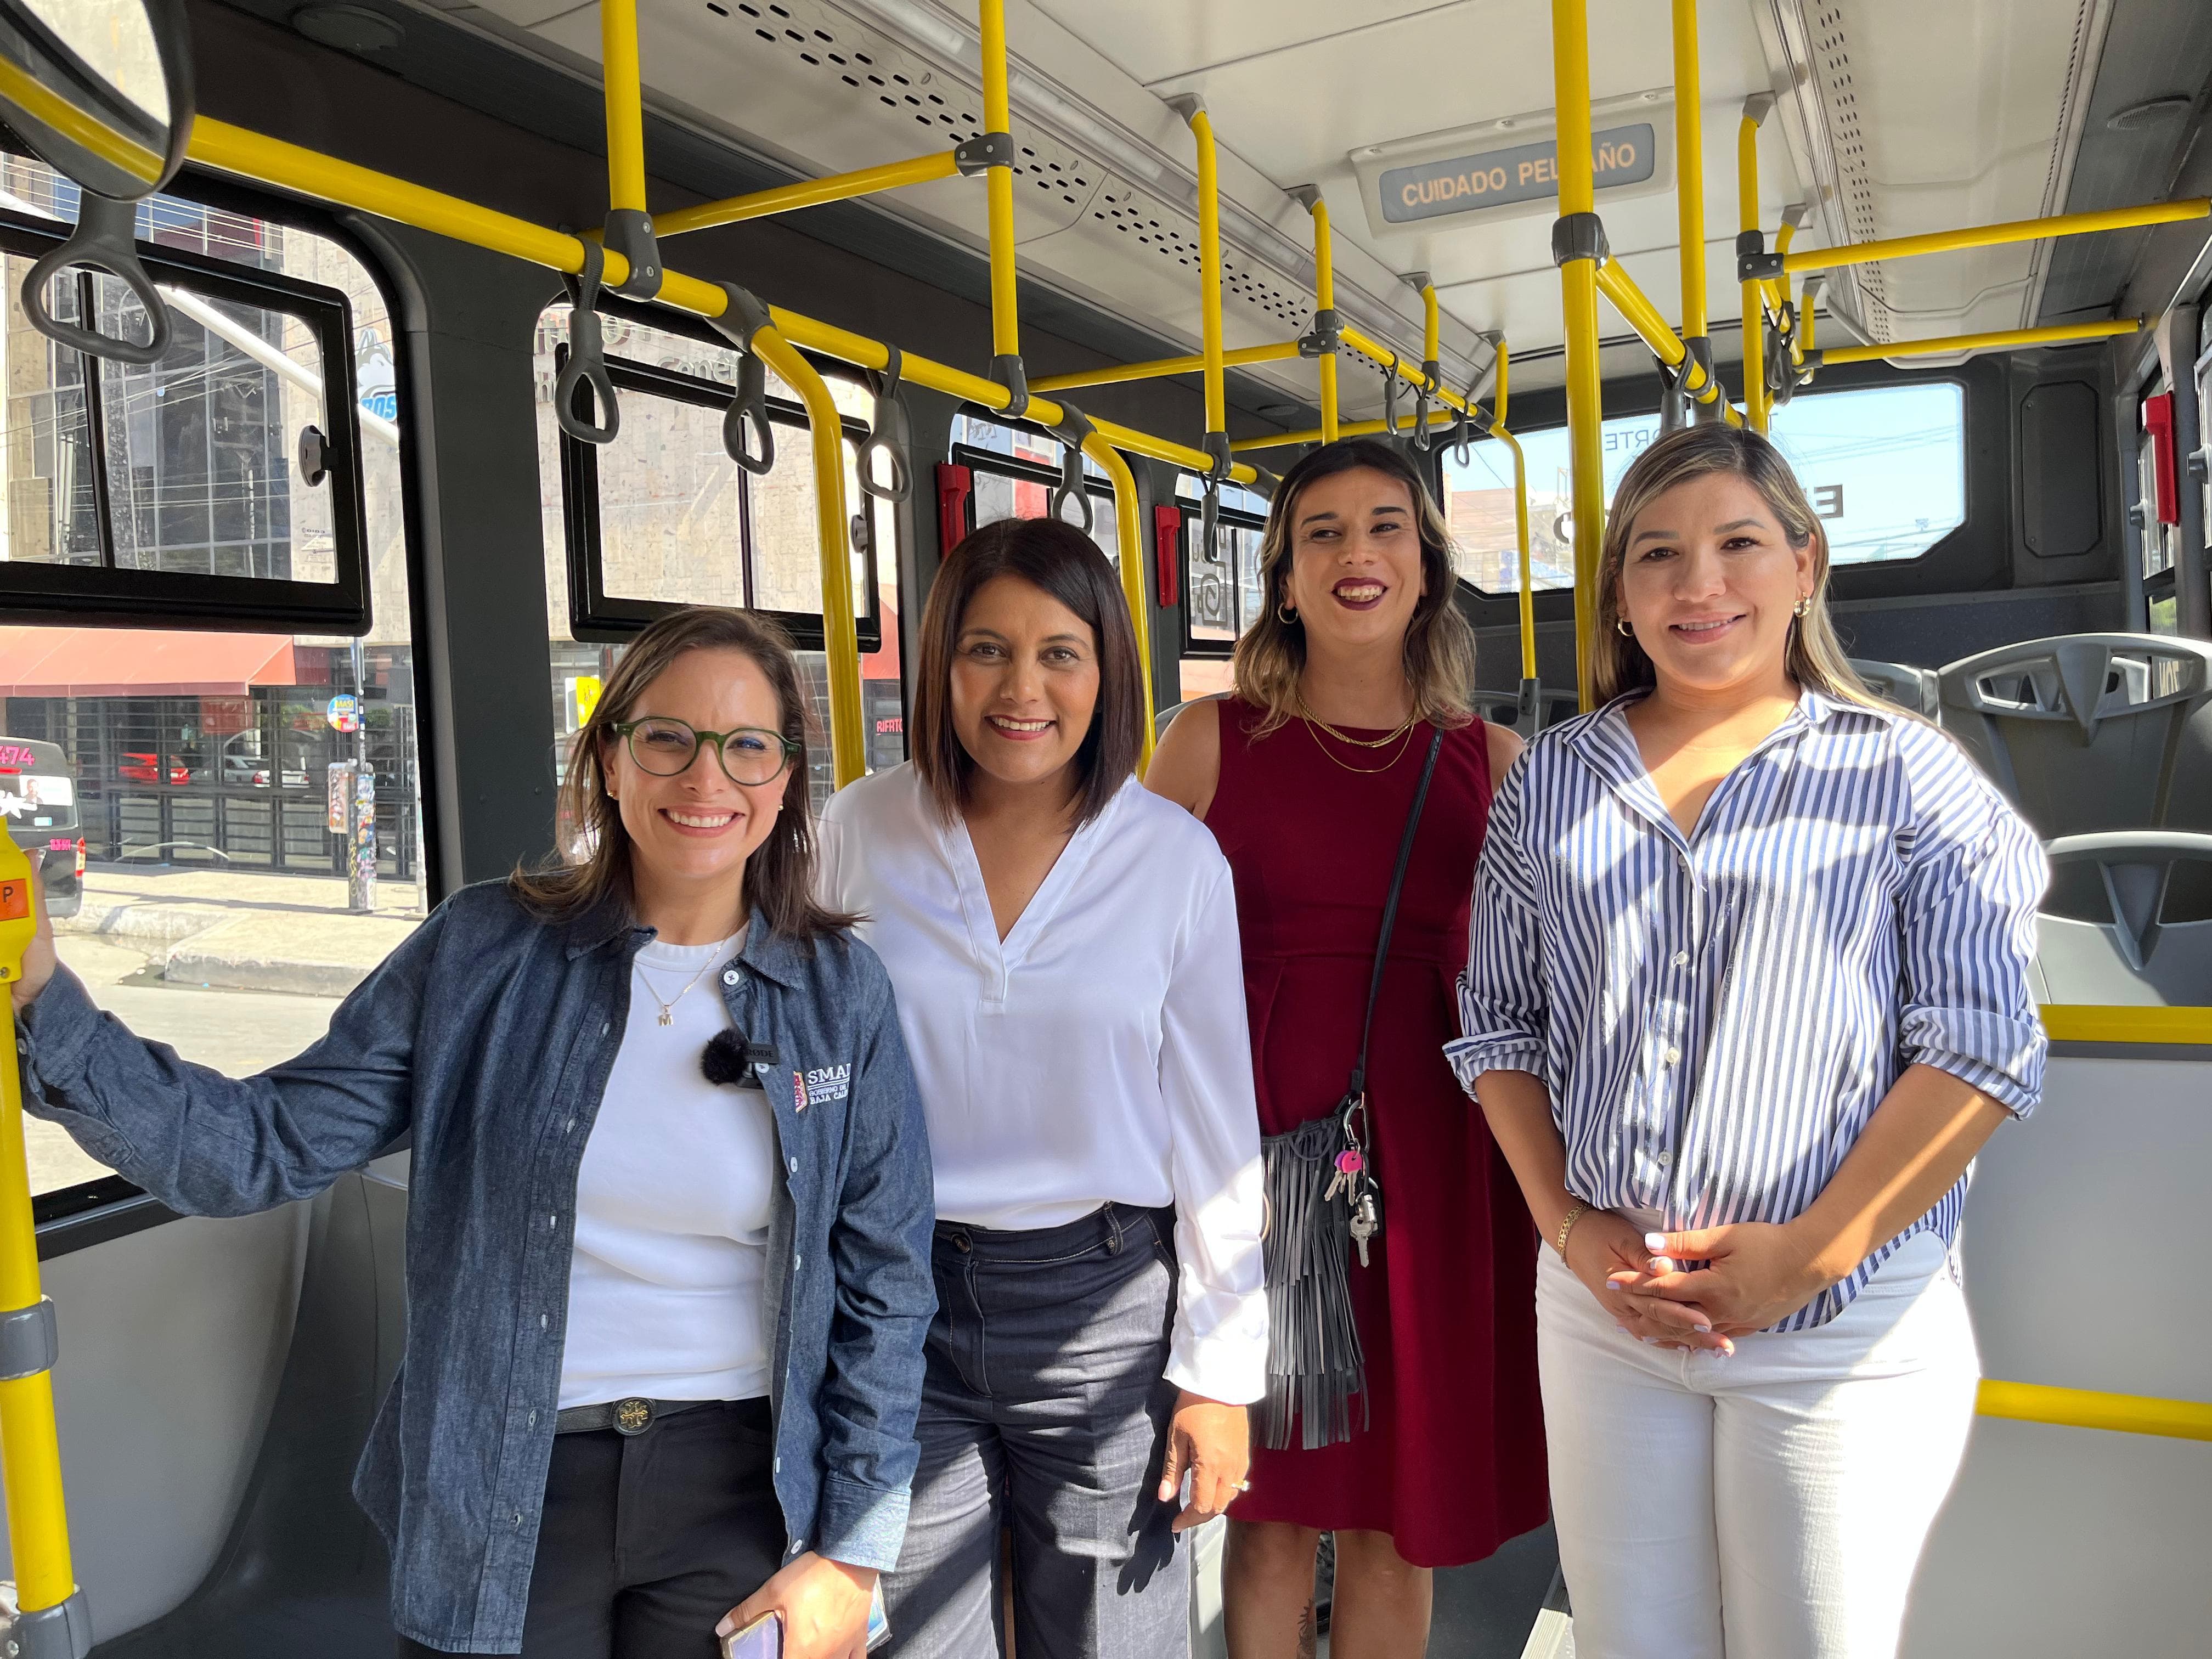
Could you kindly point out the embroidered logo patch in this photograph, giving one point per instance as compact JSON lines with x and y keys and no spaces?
{"x":826,"y":1083}
{"x":798,"y":1092}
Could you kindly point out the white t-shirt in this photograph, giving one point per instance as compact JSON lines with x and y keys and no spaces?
{"x":1099,"y":1053}
{"x":672,"y":1205}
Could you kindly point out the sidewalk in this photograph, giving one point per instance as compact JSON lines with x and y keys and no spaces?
{"x":231,"y":930}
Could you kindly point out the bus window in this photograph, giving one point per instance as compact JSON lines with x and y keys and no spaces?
{"x":1016,"y":471}
{"x":1220,"y":595}
{"x":662,"y":517}
{"x":1885,"y":466}
{"x":181,"y":786}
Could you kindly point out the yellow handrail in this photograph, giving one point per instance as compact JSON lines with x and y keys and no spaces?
{"x":1689,"y":168}
{"x":119,"y":151}
{"x":1209,"y":269}
{"x":1578,"y":300}
{"x":1161,"y":367}
{"x":30,"y":1453}
{"x":2086,"y":1023}
{"x":2087,"y":1408}
{"x":1382,"y":356}
{"x":998,"y":117}
{"x":618,"y":64}
{"x":1754,"y":295}
{"x":1432,"y":324}
{"x":1325,"y":299}
{"x":1129,"y":537}
{"x":1638,"y":311}
{"x":1520,"y":508}
{"x":1343,"y":430}
{"x":2002,"y":339}
{"x":2017,"y":230}
{"x":811,"y":192}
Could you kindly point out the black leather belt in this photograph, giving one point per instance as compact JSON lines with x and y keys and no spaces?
{"x":626,"y":1417}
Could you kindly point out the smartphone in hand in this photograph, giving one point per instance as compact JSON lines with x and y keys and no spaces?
{"x":761,"y":1639}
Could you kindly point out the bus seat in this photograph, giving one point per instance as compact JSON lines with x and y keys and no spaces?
{"x":2091,"y":731}
{"x":2127,"y":920}
{"x":1503,"y":709}
{"x":1902,"y":683}
{"x":1165,"y":717}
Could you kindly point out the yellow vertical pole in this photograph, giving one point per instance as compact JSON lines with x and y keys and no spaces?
{"x":1504,"y":383}
{"x":1520,"y":513}
{"x":1325,"y":300}
{"x":840,"y":644}
{"x":1578,"y":294}
{"x":998,"y":117}
{"x":625,"y":106}
{"x":30,"y":1452}
{"x":1690,"y":169}
{"x":1432,"y":328}
{"x":1128,"y":534}
{"x":1754,"y":295}
{"x":1209,"y":268}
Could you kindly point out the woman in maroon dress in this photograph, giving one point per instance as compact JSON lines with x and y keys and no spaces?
{"x":1305,"y":775}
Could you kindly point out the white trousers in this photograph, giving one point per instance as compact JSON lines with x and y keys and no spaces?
{"x":1770,"y":1504}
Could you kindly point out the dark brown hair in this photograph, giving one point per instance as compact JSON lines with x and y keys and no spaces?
{"x":1067,"y":564}
{"x":1439,"y":650}
{"x":779,"y":876}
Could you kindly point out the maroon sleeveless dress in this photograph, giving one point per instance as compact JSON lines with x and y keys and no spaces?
{"x":1451,"y":1461}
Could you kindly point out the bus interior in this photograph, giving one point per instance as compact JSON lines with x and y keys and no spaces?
{"x":374,"y":368}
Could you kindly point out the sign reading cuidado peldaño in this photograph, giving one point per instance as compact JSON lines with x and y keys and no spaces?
{"x":1519,"y":173}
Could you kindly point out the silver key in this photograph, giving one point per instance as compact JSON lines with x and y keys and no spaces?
{"x":1364,"y":1224}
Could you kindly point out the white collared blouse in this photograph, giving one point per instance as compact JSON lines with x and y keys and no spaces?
{"x":1718,"y":1015}
{"x":1099,"y":1053}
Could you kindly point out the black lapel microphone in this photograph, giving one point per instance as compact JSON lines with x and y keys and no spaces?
{"x":729,"y":1058}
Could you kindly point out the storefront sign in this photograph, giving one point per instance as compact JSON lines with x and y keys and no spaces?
{"x":345,"y":713}
{"x":1520,"y":173}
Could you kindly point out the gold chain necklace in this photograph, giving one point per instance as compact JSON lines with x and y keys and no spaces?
{"x":668,"y":1008}
{"x":1311,"y":719}
{"x":1399,"y":736}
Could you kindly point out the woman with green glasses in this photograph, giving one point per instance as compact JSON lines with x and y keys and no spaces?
{"x":668,"y":1253}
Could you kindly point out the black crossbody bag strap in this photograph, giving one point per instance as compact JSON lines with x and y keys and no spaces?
{"x":1358,"y":1084}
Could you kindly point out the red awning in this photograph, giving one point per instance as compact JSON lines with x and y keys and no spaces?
{"x":118,"y":662}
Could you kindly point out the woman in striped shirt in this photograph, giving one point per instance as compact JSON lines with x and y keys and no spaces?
{"x":1747,"y":989}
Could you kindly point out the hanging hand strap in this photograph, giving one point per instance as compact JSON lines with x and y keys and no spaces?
{"x":587,"y":363}
{"x":1358,"y":1084}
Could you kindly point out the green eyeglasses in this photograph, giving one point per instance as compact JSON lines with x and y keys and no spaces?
{"x":666,"y":747}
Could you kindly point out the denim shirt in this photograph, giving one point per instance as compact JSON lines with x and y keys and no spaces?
{"x":490,"y":1035}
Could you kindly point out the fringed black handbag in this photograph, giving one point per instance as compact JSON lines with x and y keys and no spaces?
{"x":1322,"y":1202}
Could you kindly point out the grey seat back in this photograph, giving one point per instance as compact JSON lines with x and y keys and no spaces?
{"x":2127,"y":920}
{"x":1902,"y":683}
{"x":2091,"y":731}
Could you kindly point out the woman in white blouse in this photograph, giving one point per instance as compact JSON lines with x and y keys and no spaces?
{"x":1064,"y":952}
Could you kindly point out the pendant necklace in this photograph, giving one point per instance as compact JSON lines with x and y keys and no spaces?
{"x":668,"y":1007}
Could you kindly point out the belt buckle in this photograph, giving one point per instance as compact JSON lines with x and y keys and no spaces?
{"x":633,"y":1416}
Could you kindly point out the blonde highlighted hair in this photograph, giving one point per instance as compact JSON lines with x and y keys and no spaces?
{"x":1814,"y":655}
{"x":1439,"y":649}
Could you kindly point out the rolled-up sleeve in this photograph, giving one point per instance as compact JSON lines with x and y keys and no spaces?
{"x":1218,"y":1348}
{"x":1502,"y":1018}
{"x":1973,"y":877}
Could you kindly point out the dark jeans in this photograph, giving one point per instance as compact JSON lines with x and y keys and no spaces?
{"x":1044,"y":1414}
{"x":648,"y":1540}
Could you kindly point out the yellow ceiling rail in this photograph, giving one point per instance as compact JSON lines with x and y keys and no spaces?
{"x":1383,"y":357}
{"x":2017,"y":230}
{"x":1160,"y":367}
{"x":119,"y":151}
{"x":1638,"y":311}
{"x":2087,"y":1022}
{"x":1343,"y":430}
{"x":1754,"y":294}
{"x":811,"y":192}
{"x":1325,"y":304}
{"x":2088,"y":1408}
{"x":2002,"y":339}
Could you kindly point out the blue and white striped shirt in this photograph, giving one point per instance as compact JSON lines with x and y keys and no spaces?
{"x":1717,"y":1015}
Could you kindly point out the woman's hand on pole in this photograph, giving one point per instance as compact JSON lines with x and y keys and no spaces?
{"x":1213,"y":1444}
{"x":1756,"y":1274}
{"x":38,"y":959}
{"x":1604,"y":1246}
{"x":823,"y":1605}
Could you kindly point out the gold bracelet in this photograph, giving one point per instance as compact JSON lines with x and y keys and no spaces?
{"x":1566,"y":1226}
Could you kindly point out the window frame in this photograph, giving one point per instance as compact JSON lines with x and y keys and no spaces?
{"x":61,"y":594}
{"x":1186,"y":538}
{"x":596,"y":616}
{"x":1013,"y":466}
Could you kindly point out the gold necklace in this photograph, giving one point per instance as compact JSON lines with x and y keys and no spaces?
{"x":668,"y":1008}
{"x":1311,"y":719}
{"x":1362,"y":771}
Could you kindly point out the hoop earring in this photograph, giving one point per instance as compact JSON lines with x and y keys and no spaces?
{"x":1285,"y":614}
{"x":1621,"y":623}
{"x":1803,"y":606}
